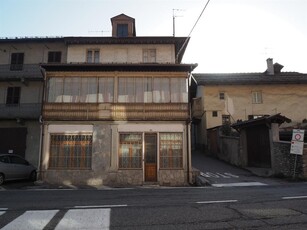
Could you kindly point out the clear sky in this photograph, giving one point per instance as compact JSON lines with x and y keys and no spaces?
{"x":231,"y":36}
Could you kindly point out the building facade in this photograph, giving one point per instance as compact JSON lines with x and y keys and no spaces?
{"x":227,"y":98}
{"x":21,"y":92}
{"x":117,"y":113}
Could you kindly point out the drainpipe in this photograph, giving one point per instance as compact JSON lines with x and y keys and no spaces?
{"x":40,"y":157}
{"x":188,"y":130}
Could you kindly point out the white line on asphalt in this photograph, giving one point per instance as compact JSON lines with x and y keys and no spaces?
{"x":294,"y":197}
{"x":32,"y":220}
{"x":216,"y":201}
{"x":3,"y":209}
{"x":2,"y":212}
{"x":85,"y":219}
{"x":103,"y":206}
{"x":240,"y":184}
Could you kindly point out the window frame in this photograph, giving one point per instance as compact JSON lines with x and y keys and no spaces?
{"x":92,"y":57}
{"x":139,"y":155}
{"x":122,"y":30}
{"x":14,"y":98}
{"x":215,"y":113}
{"x":222,"y":95}
{"x":54,"y":56}
{"x":257,"y":97}
{"x":150,"y":55}
{"x":17,"y":61}
{"x":63,"y":145}
{"x":173,"y":142}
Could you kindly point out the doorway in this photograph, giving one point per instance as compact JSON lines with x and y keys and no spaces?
{"x":150,"y":156}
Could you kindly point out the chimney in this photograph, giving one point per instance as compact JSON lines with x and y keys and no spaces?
{"x":270,"y":67}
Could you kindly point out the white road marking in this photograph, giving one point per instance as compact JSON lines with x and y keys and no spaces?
{"x":3,"y":209}
{"x":102,"y":206}
{"x":31,"y":220}
{"x":78,"y":219}
{"x":2,"y":212}
{"x":239,"y":184}
{"x":218,"y":175}
{"x":294,"y":197}
{"x":216,"y":201}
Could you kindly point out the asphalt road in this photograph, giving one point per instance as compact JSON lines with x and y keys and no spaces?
{"x":257,"y":207}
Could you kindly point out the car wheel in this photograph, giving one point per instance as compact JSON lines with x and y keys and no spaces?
{"x":1,"y":178}
{"x":33,"y":176}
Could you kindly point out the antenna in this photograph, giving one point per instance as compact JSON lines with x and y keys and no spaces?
{"x":175,"y":16}
{"x":98,"y":31}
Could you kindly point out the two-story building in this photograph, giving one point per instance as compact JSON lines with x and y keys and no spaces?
{"x":21,"y":92}
{"x":227,"y":98}
{"x":117,"y":113}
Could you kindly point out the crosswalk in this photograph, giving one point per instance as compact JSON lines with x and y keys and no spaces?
{"x":77,"y":219}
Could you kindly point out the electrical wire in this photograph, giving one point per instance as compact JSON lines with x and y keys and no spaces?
{"x":185,"y":42}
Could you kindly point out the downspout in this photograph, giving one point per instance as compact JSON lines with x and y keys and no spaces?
{"x":188,"y":130}
{"x":41,"y":121}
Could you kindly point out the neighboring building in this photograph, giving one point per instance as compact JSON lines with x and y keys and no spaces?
{"x":227,"y":98}
{"x":118,"y":112}
{"x":21,"y":91}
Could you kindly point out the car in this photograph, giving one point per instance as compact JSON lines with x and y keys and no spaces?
{"x":14,"y":167}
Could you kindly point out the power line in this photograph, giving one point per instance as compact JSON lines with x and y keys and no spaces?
{"x":185,"y":42}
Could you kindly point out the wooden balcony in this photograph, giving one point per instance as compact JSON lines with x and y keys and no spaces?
{"x":116,"y":111}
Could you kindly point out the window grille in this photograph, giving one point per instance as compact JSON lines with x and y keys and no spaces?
{"x":70,"y":151}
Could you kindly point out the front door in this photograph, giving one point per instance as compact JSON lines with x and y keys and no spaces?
{"x":150,"y":157}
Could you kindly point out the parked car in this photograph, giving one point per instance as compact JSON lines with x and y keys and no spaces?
{"x":14,"y":167}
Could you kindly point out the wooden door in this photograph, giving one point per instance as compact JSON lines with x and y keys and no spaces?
{"x":150,"y":157}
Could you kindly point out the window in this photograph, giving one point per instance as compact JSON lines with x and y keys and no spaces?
{"x":149,"y":55}
{"x":54,"y":57}
{"x":122,"y":30}
{"x":214,"y":113}
{"x":130,"y":151}
{"x":17,"y":61}
{"x":77,"y":89}
{"x":222,"y":95}
{"x":18,"y":160}
{"x":70,"y":151}
{"x":256,"y":97}
{"x":92,"y":56}
{"x":13,"y":96}
{"x":171,"y":153}
{"x":225,"y":119}
{"x":161,"y":90}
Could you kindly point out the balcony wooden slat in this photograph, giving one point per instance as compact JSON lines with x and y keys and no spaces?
{"x":116,"y":111}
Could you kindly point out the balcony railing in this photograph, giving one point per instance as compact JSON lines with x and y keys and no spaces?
{"x":115,"y":111}
{"x":24,"y":111}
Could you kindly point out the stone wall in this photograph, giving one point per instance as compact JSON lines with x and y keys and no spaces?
{"x":172,"y":177}
{"x":284,"y":162}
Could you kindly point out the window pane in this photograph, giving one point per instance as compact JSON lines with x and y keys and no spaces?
{"x":171,"y":153}
{"x":122,"y":30}
{"x":106,"y":90}
{"x":70,"y":151}
{"x":130,"y":150}
{"x":126,"y":91}
{"x":13,"y":95}
{"x":55,"y":90}
{"x":161,"y":90}
{"x":148,"y":90}
{"x":71,"y":90}
{"x":96,"y":56}
{"x":89,"y":55}
{"x":139,"y":90}
{"x":88,"y":90}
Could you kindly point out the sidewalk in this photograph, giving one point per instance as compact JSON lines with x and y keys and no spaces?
{"x":221,"y":174}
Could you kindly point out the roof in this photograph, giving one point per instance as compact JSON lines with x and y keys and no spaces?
{"x":277,"y":118}
{"x":250,"y":78}
{"x":142,"y":67}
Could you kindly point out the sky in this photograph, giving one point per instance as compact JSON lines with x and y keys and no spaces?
{"x":231,"y":36}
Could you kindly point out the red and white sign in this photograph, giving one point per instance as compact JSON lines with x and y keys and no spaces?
{"x":297,"y":143}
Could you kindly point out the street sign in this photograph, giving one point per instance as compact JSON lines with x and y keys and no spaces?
{"x":297,"y":143}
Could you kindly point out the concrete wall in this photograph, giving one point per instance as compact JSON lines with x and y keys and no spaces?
{"x":34,"y":53}
{"x":284,"y":99}
{"x":121,"y":53}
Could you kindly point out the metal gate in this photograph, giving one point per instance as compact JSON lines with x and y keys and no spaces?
{"x":13,"y":140}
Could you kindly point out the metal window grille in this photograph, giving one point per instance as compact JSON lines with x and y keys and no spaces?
{"x":70,"y":151}
{"x":171,"y":152}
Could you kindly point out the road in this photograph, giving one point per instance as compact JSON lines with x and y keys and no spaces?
{"x":258,"y":207}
